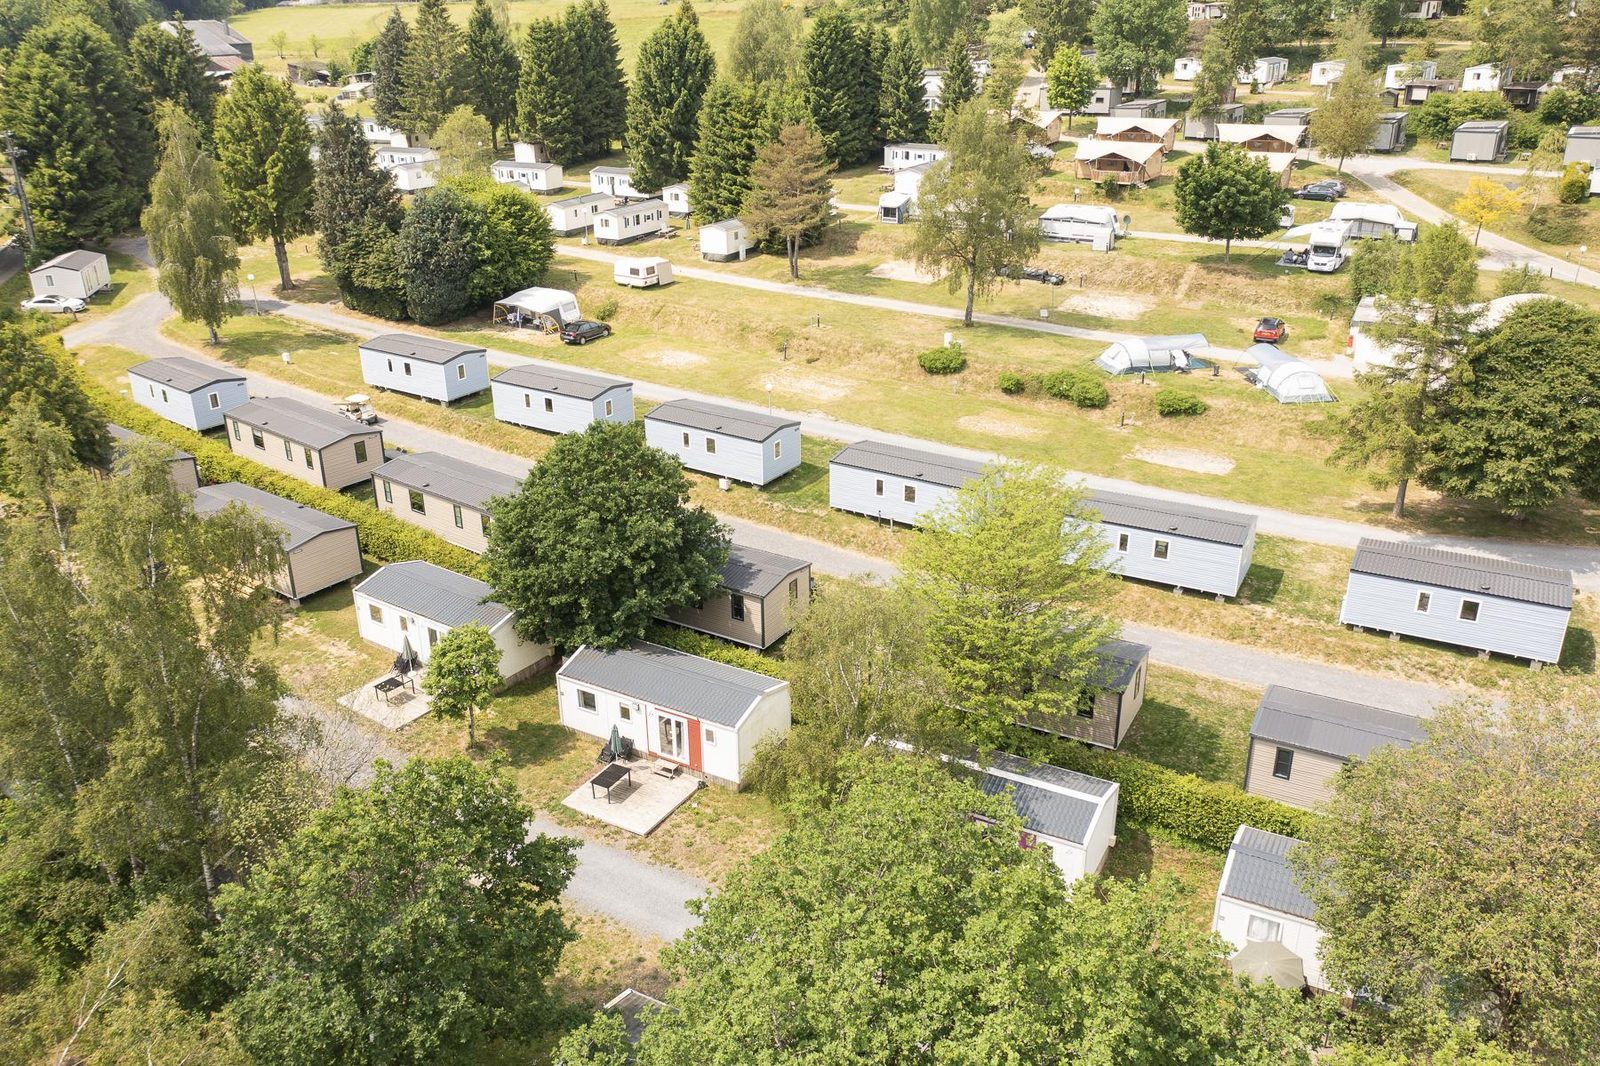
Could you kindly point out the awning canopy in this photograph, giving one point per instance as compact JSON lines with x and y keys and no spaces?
{"x":893,"y":201}
{"x":1268,"y":960}
{"x":558,"y":305}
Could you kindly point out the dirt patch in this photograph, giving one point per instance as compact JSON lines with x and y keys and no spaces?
{"x":902,"y":270}
{"x":819,"y":387}
{"x":1107,"y":305}
{"x":998,"y":424}
{"x":1186,"y":459}
{"x":675,"y":358}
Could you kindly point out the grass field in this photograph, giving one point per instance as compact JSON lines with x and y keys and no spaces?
{"x":1443,"y":187}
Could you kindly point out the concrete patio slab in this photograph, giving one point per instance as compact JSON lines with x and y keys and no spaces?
{"x":637,"y":807}
{"x":402,"y":707}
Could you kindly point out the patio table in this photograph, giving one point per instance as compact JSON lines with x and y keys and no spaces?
{"x":389,"y":685}
{"x":610,"y":776}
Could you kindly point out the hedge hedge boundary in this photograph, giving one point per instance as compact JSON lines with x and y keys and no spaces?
{"x":383,"y":537}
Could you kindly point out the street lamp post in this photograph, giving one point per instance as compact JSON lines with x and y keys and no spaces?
{"x":251,"y":278}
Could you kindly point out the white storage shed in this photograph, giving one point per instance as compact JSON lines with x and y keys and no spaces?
{"x":730,"y":442}
{"x":725,"y":241}
{"x":1259,"y":901}
{"x":574,"y":214}
{"x":548,"y":309}
{"x":1178,"y":544}
{"x":428,"y":367}
{"x":631,"y":222}
{"x":187,"y":391}
{"x":893,"y":482}
{"x":78,"y":274}
{"x":1285,"y":378}
{"x":646,"y":272}
{"x":1138,"y":355}
{"x":1096,"y":225}
{"x":558,"y":400}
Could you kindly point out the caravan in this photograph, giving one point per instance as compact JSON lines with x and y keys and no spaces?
{"x":1093,"y":224}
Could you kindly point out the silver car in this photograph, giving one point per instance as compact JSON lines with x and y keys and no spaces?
{"x":55,"y":304}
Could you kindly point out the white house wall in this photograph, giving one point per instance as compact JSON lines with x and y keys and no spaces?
{"x":1231,"y":921}
{"x":193,"y":410}
{"x":517,"y":656}
{"x":1511,"y":627}
{"x":567,"y":414}
{"x":1201,"y":565}
{"x":857,"y":491}
{"x":747,"y":461}
{"x":433,"y":381}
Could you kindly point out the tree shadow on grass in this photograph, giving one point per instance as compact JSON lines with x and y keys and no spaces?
{"x":1169,"y":735}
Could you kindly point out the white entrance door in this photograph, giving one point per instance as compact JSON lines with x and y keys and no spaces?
{"x":672,"y":737}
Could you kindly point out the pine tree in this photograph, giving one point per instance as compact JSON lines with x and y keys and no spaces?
{"x":548,"y":109}
{"x":491,"y":70}
{"x":357,"y":211}
{"x":839,"y":101}
{"x":388,"y":53}
{"x":790,"y":194}
{"x":437,"y":257}
{"x":187,"y":224}
{"x":960,"y":82}
{"x":903,"y":109}
{"x":264,"y":153}
{"x":167,"y":68}
{"x":431,"y":70}
{"x":1058,"y":24}
{"x":731,"y":132}
{"x":674,"y":70}
{"x":602,"y":93}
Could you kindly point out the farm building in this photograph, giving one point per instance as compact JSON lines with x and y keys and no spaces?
{"x":1260,"y":137}
{"x":1483,"y":78}
{"x":546,"y":309}
{"x":1289,"y":116}
{"x":1096,"y":225}
{"x":757,"y":602}
{"x":1390,"y":133}
{"x":1162,"y":131}
{"x":1186,"y":68}
{"x":78,"y":275}
{"x":1150,"y":355}
{"x":890,"y":481}
{"x":320,"y":551}
{"x":1327,"y":72}
{"x":616,"y":181}
{"x":1399,"y":75}
{"x":225,"y":49}
{"x":899,"y":156}
{"x":446,"y":496}
{"x":1144,"y":107}
{"x":536,"y":175}
{"x":725,"y":241}
{"x":1286,"y":379}
{"x":1300,"y":741}
{"x":728,"y":442}
{"x":183,"y":467}
{"x":1177,"y":544}
{"x":306,"y":442}
{"x":646,"y":272}
{"x":1203,"y":127}
{"x":558,"y":400}
{"x":1109,"y":702}
{"x":424,"y":366}
{"x":1264,"y":72}
{"x":1125,"y":162}
{"x":676,"y":197}
{"x":631,"y":222}
{"x":1479,"y":141}
{"x":1583,"y":146}
{"x":574,"y":214}
{"x":704,"y":716}
{"x":1075,"y":815}
{"x":411,"y":606}
{"x":1262,"y":911}
{"x":187,"y":391}
{"x":1489,"y":605}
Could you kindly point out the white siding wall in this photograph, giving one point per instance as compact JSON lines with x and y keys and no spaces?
{"x":1201,"y":565}
{"x":539,"y":176}
{"x":1231,"y":921}
{"x":59,"y":281}
{"x":568,"y":414}
{"x":741,"y":460}
{"x":571,"y":218}
{"x":769,"y":717}
{"x":629,"y":223}
{"x":1525,"y":630}
{"x":855,"y":490}
{"x":189,"y":409}
{"x":516,"y":654}
{"x":434,"y":381}
{"x":1101,"y":834}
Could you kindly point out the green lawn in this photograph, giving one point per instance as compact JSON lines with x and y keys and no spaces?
{"x":1197,"y":725}
{"x":1443,"y":188}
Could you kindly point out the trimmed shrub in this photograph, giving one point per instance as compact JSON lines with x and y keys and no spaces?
{"x":1012,"y":383}
{"x":606,"y":311}
{"x":1081,"y":387}
{"x":708,"y":647}
{"x":1176,"y":403}
{"x":949,"y":359}
{"x":1573,"y":188}
{"x":1556,"y":223}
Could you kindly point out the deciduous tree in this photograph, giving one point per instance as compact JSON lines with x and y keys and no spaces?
{"x":766,"y":43}
{"x":36,"y":457}
{"x":1137,"y":40}
{"x":463,"y":676}
{"x":790,"y":192}
{"x":840,"y":105}
{"x":934,"y":23}
{"x":490,"y":70}
{"x":1524,"y":36}
{"x":903,"y":107}
{"x":1345,"y":125}
{"x":388,"y":82}
{"x":601,"y":1041}
{"x":1484,"y":203}
{"x":511,"y":237}
{"x":264,"y":160}
{"x":732,"y":130}
{"x":1070,"y":82}
{"x":29,"y":370}
{"x":1227,"y":195}
{"x":431,"y":70}
{"x":189,"y":230}
{"x":1058,"y":25}
{"x":465,"y":143}
{"x":673,"y":72}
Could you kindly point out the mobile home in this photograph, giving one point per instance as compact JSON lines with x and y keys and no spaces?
{"x":1096,"y":225}
{"x":1072,"y":814}
{"x":643,"y":273}
{"x":1176,"y":544}
{"x":1390,"y":133}
{"x":78,"y":275}
{"x":1143,"y":107}
{"x":1103,"y":98}
{"x":574,"y":214}
{"x":1479,"y":141}
{"x":1109,"y":702}
{"x":306,"y":442}
{"x":320,"y":551}
{"x":1327,"y":72}
{"x":187,"y":391}
{"x":760,"y":596}
{"x":889,"y":481}
{"x":898,"y":156}
{"x":424,"y":366}
{"x":1583,"y":146}
{"x":1265,"y":72}
{"x":558,"y":400}
{"x":676,"y":197}
{"x":616,"y":181}
{"x":725,"y":241}
{"x":729,"y":442}
{"x":1186,"y":68}
{"x":1260,"y":900}
{"x":1399,"y":75}
{"x":1301,"y":741}
{"x":535,"y":176}
{"x":1483,"y":78}
{"x":1289,"y":116}
{"x":448,"y":497}
{"x":631,"y":222}
{"x":183,"y":467}
{"x":1203,"y":127}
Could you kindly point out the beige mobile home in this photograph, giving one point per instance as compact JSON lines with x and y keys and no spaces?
{"x":306,"y":442}
{"x":442,"y":494}
{"x":185,"y":471}
{"x":320,"y":550}
{"x":1108,"y":703}
{"x":761,"y":595}
{"x":1301,"y":741}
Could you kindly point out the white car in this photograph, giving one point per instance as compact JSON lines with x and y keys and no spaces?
{"x":57,"y":304}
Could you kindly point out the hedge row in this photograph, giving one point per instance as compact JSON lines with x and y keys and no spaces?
{"x":383,"y":536}
{"x":680,"y":639}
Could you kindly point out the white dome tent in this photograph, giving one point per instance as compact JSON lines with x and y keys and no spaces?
{"x":1285,"y":378}
{"x":1137,"y":355}
{"x":549,"y":309}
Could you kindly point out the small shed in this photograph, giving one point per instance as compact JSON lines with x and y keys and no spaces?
{"x":646,"y":272}
{"x":428,"y":367}
{"x":704,"y":716}
{"x":676,"y":197}
{"x":1301,"y":741}
{"x":893,"y":482}
{"x":1289,"y":116}
{"x":1072,"y":814}
{"x":448,"y":497}
{"x":78,"y":275}
{"x":1389,"y":135}
{"x":731,"y":442}
{"x":1108,"y":703}
{"x":757,"y":601}
{"x":535,"y":177}
{"x":1143,"y":107}
{"x":1264,"y":72}
{"x":1186,"y":68}
{"x":1483,"y":78}
{"x":1162,"y":131}
{"x":1150,"y":355}
{"x":320,"y":551}
{"x":1203,"y":127}
{"x":1472,"y":601}
{"x":574,"y":214}
{"x":897,"y":156}
{"x":558,"y":400}
{"x":1417,"y":91}
{"x":1286,"y":379}
{"x":1583,"y":146}
{"x":306,"y":442}
{"x":631,"y":222}
{"x":1125,"y":162}
{"x":1522,"y":95}
{"x":1480,"y":141}
{"x":187,"y":391}
{"x":1260,"y":137}
{"x":1182,"y":545}
{"x":1097,"y":225}
{"x":615,"y":181}
{"x":725,"y":241}
{"x":1398,"y":75}
{"x":1259,"y":900}
{"x":547,"y":309}
{"x":185,"y":470}
{"x":1327,"y":72}
{"x":1103,"y":98}
{"x":894,"y":208}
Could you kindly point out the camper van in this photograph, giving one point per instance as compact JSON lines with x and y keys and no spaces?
{"x":1328,"y":246}
{"x":1092,"y":224}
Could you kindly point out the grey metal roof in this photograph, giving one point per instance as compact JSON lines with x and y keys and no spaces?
{"x":1096,"y":787}
{"x":753,"y":572}
{"x":1259,"y":873}
{"x":1179,"y":519}
{"x":448,"y":478}
{"x":585,"y":198}
{"x":560,"y":380}
{"x":712,"y":691}
{"x":1583,"y":132}
{"x":74,"y":260}
{"x":298,"y":422}
{"x":715,"y":418}
{"x":183,"y":374}
{"x":1466,"y":573}
{"x":899,"y":461}
{"x":1053,"y":801}
{"x":441,"y":595}
{"x":301,"y":524}
{"x":1330,"y":726}
{"x":415,"y":346}
{"x":1482,"y":126}
{"x":1118,"y":661}
{"x":123,"y":435}
{"x":918,"y":146}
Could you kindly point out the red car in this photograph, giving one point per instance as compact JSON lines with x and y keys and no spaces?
{"x":1272,"y":331}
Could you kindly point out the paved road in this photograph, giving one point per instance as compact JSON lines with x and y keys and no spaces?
{"x":612,"y":881}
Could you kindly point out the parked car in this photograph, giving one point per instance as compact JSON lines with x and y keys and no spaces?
{"x":1321,"y":192}
{"x":1335,"y":184}
{"x":582,"y":331}
{"x":54,"y":304}
{"x":1271,"y":331}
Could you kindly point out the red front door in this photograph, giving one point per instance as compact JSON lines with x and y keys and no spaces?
{"x":694,"y":744}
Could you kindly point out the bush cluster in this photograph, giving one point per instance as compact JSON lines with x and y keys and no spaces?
{"x":1556,"y":223}
{"x":1573,"y":188}
{"x":1013,"y":383}
{"x":1176,"y":403}
{"x":949,"y":359}
{"x":687,"y":640}
{"x":606,"y":310}
{"x":1081,"y":387}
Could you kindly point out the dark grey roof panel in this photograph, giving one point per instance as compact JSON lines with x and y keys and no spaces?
{"x":1330,"y":726}
{"x":435,"y":593}
{"x":1466,"y":573}
{"x":448,"y":478}
{"x":753,"y":572}
{"x":301,"y":524}
{"x":1179,"y":519}
{"x":1259,"y":873}
{"x":898,"y":461}
{"x":183,"y":374}
{"x":120,"y":435}
{"x":298,"y":422}
{"x":415,"y":346}
{"x":715,"y":418}
{"x":1044,"y":810}
{"x":1052,"y":775}
{"x":75,"y":260}
{"x":560,"y":380}
{"x":712,"y":691}
{"x":1118,"y":661}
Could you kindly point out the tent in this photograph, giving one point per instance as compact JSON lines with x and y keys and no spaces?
{"x":1286,"y":378}
{"x":1136,"y":355}
{"x":548,"y":308}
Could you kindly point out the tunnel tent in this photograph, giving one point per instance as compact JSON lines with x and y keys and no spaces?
{"x":1137,"y":355}
{"x":1285,"y":378}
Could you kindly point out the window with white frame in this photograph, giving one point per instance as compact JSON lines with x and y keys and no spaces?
{"x":418,"y":504}
{"x":1469,"y":610}
{"x":361,"y":451}
{"x":461,"y":371}
{"x":214,"y":400}
{"x":711,"y":446}
{"x":288,"y":450}
{"x":388,"y":492}
{"x":1162,"y":549}
{"x":777,"y":449}
{"x":709,"y":736}
{"x":375,"y":613}
{"x":608,"y":408}
{"x":455,"y":509}
{"x":911,"y":494}
{"x":236,"y":431}
{"x":1122,"y":542}
{"x":1260,"y":928}
{"x":586,"y":700}
{"x":258,"y":440}
{"x":1424,"y":601}
{"x":549,"y":405}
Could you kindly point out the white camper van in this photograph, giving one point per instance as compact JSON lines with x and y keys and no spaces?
{"x":1327,"y":247}
{"x":1093,"y":224}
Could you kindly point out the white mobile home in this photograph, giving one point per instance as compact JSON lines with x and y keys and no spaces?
{"x":558,"y":400}
{"x":1399,"y":75}
{"x":1583,"y":146}
{"x":899,"y":156}
{"x":1176,"y":544}
{"x":442,"y":494}
{"x":1301,"y":741}
{"x":1425,"y":9}
{"x":1075,"y":815}
{"x":725,"y":241}
{"x":576,"y":213}
{"x":424,"y":366}
{"x":1483,"y":78}
{"x":1207,"y":10}
{"x":319,"y":550}
{"x":1289,"y":116}
{"x":536,"y":177}
{"x":1285,"y":378}
{"x":1103,"y":98}
{"x":1472,"y":601}
{"x":676,"y":197}
{"x":306,"y":442}
{"x":1144,"y":107}
{"x":376,"y":132}
{"x":1096,"y":225}
{"x":615,"y":181}
{"x":1265,"y":72}
{"x":644,"y":273}
{"x":1186,"y":68}
{"x":187,"y":391}
{"x":414,"y":604}
{"x":760,"y":595}
{"x":1260,"y":901}
{"x":1327,"y":72}
{"x":725,"y":442}
{"x":631,"y":222}
{"x":704,"y":716}
{"x":78,"y":274}
{"x":888,"y":481}
{"x":183,"y":466}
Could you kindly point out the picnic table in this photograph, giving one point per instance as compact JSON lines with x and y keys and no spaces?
{"x":610,"y":776}
{"x":389,"y":685}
